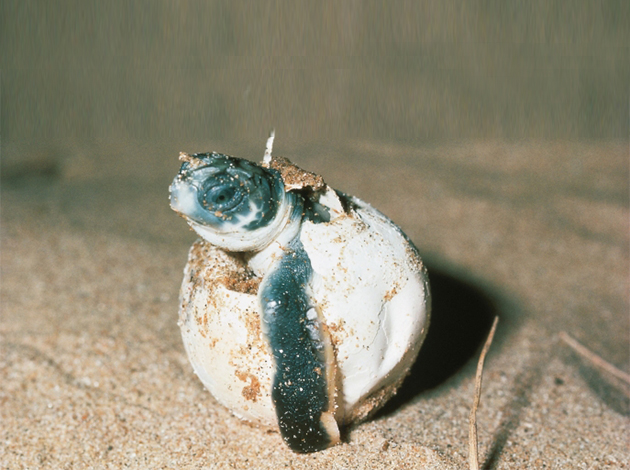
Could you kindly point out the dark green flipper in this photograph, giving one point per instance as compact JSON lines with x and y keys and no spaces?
{"x":300,"y":389}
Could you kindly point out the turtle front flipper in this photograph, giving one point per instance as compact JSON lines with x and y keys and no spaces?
{"x":303,"y":378}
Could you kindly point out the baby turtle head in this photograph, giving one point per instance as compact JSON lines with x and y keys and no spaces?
{"x":232,"y":203}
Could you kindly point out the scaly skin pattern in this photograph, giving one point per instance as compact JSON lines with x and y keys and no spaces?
{"x":300,"y":391}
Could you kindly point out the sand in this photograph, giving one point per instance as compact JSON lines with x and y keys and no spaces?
{"x":94,"y":373}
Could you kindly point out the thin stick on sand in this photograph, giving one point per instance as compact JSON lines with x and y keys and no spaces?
{"x":473,"y":451}
{"x":594,"y":358}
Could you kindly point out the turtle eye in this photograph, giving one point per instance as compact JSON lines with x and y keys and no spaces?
{"x":223,"y":196}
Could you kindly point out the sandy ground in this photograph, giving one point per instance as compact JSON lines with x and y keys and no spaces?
{"x":94,"y":373}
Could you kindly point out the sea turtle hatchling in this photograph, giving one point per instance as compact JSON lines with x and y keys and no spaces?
{"x":301,"y":308}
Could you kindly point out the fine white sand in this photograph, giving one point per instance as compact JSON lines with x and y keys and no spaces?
{"x":93,"y":373}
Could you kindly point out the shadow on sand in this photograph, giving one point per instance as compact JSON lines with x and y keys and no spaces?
{"x":461,"y":317}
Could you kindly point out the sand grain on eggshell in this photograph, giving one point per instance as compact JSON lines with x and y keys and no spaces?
{"x":94,"y":373}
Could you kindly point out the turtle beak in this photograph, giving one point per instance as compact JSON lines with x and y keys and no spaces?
{"x":183,"y":190}
{"x":182,"y":195}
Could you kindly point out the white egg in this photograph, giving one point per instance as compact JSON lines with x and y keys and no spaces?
{"x":316,"y":325}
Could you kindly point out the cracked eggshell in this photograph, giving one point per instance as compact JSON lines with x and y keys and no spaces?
{"x":369,"y":286}
{"x":220,"y":325}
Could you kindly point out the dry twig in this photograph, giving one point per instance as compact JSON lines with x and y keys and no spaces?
{"x":473,"y":452}
{"x":594,"y":358}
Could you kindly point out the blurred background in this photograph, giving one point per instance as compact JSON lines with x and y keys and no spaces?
{"x":119,"y":87}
